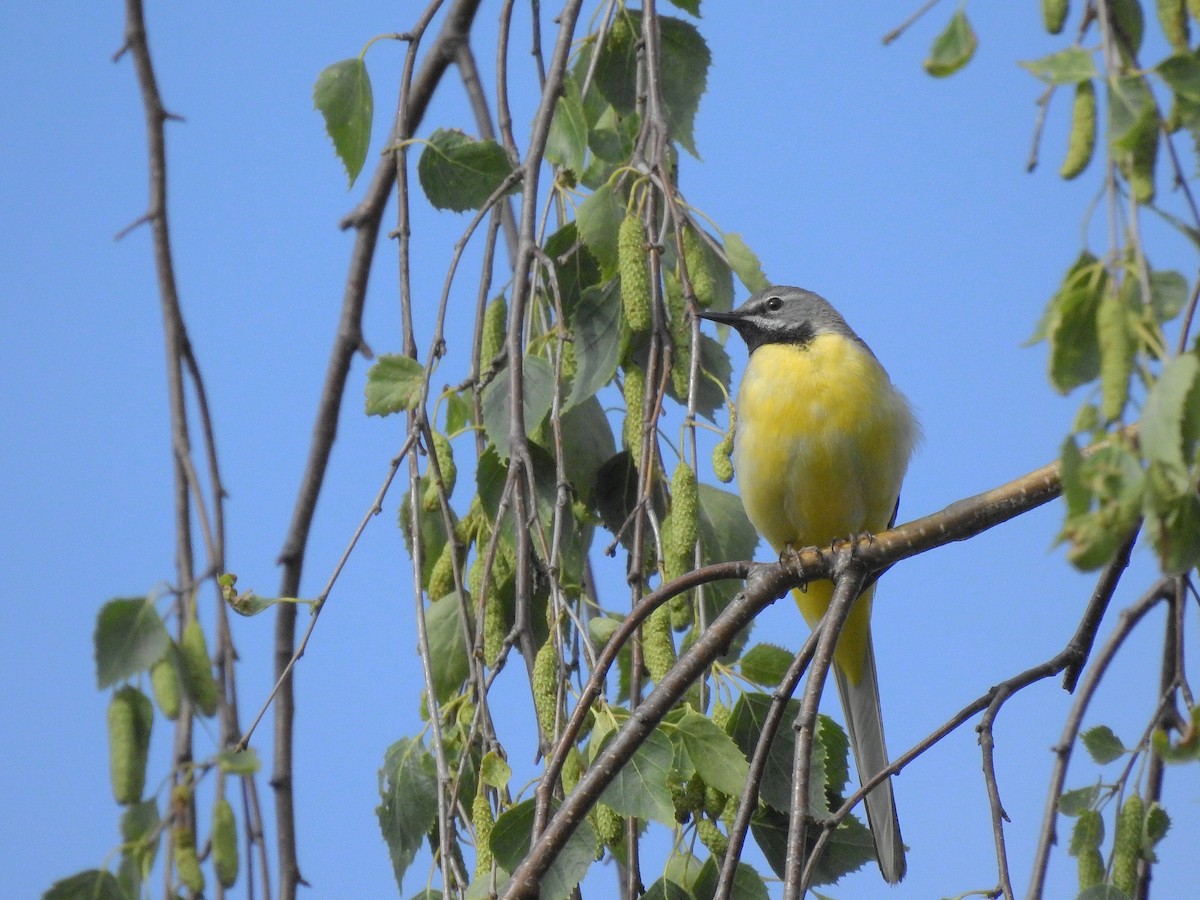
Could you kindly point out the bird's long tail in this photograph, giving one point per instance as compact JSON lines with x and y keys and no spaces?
{"x":864,"y":722}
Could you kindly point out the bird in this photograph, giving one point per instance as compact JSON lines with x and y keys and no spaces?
{"x":822,"y":442}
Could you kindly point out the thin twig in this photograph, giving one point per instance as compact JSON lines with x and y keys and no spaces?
{"x":1128,"y":620}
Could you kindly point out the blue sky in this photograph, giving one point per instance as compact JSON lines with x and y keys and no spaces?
{"x":902,"y":199}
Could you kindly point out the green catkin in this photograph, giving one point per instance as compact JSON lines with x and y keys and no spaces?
{"x":1116,"y":354}
{"x":545,"y":687}
{"x":685,"y":508}
{"x":635,"y":395}
{"x":495,"y":330}
{"x":1141,"y":163}
{"x":483,"y":820}
{"x":679,"y":534}
{"x":224,"y":843}
{"x":431,"y":501}
{"x":1086,"y":838}
{"x":607,"y":824}
{"x":1172,"y":15}
{"x":720,"y":714}
{"x":197,"y":668}
{"x":130,"y":718}
{"x":681,"y":337}
{"x":714,"y":801}
{"x":683,"y":611}
{"x":572,"y":769}
{"x":441,"y":578}
{"x":1082,"y":141}
{"x":695,"y":257}
{"x":1054,"y":15}
{"x":1127,"y":844}
{"x":635,"y":278}
{"x":658,"y":649}
{"x":712,"y":837}
{"x":1194,"y":8}
{"x":187,"y":863}
{"x":722,"y":458}
{"x":164,"y":680}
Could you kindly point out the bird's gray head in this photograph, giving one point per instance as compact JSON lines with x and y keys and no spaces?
{"x":784,"y":315}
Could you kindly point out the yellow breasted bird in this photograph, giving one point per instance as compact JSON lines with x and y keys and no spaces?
{"x":822,"y":443}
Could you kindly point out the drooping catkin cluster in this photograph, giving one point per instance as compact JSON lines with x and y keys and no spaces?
{"x":495,"y":330}
{"x":444,"y":455}
{"x":545,"y":687}
{"x":130,"y":718}
{"x":635,"y":277}
{"x":197,"y":668}
{"x":1082,"y":141}
{"x":224,"y":843}
{"x":680,"y":531}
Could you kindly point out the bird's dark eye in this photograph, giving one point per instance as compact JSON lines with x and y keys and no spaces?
{"x":774,"y":304}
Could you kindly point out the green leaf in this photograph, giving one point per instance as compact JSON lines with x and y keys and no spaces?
{"x":140,"y":829}
{"x":575,"y":267}
{"x":458,"y":172}
{"x":537,"y":395}
{"x":1174,"y":526}
{"x":745,"y":263}
{"x":640,"y":787}
{"x":94,"y":884}
{"x":685,"y":62}
{"x":408,"y":807}
{"x":342,"y":94}
{"x":129,"y":638}
{"x":1071,"y":325}
{"x":848,"y":851}
{"x":837,"y":758}
{"x":596,"y":328}
{"x":611,"y":138}
{"x":510,"y":844}
{"x":953,"y":48}
{"x":587,"y":444}
{"x":394,"y":385}
{"x":494,"y":771}
{"x":616,"y":69}
{"x":692,"y":6}
{"x":725,"y":532}
{"x":1132,"y":112}
{"x":1129,"y":23}
{"x":1182,"y":74}
{"x":1164,"y":411}
{"x":598,"y":218}
{"x":239,"y":762}
{"x":714,"y":754}
{"x":766,"y":664}
{"x":1102,"y":744}
{"x":1074,"y":802}
{"x":567,"y":142}
{"x":745,"y":727}
{"x":448,"y":651}
{"x":1070,"y":66}
{"x":665,"y":889}
{"x":747,"y":883}
{"x":1168,"y":294}
{"x":1075,"y":492}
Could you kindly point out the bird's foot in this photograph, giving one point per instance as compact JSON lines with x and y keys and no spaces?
{"x":790,"y":557}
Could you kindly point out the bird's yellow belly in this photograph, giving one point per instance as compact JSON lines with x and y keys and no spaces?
{"x":822,"y":444}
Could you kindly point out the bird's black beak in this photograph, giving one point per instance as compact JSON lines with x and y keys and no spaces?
{"x":724,"y":318}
